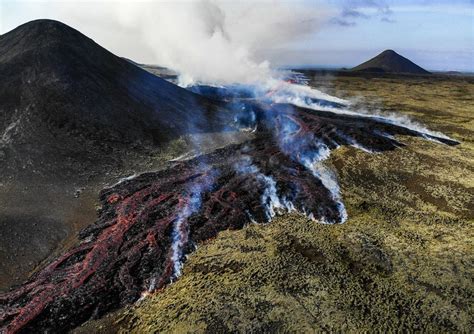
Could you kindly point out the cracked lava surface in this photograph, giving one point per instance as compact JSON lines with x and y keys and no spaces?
{"x":149,"y":223}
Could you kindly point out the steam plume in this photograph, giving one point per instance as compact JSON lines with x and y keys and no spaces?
{"x":215,"y":41}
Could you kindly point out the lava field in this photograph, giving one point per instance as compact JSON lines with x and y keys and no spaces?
{"x":148,"y":224}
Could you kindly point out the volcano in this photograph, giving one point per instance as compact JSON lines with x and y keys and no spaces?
{"x":61,"y":92}
{"x":147,"y":224}
{"x":390,"y":62}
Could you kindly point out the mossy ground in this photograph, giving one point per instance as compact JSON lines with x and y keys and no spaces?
{"x":403,"y":261}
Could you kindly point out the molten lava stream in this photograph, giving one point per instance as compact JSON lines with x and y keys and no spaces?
{"x":149,"y":223}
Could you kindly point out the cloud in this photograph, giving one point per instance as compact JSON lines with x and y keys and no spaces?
{"x":381,"y":6}
{"x":387,"y":19}
{"x":346,"y":12}
{"x":342,"y":22}
{"x":354,"y":10}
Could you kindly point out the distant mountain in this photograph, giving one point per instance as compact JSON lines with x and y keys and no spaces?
{"x":65,"y":99}
{"x":390,"y":62}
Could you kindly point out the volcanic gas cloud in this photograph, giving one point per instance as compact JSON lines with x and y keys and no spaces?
{"x":148,"y":224}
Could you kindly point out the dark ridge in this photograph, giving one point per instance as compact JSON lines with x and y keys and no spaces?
{"x":390,"y":62}
{"x":60,"y":92}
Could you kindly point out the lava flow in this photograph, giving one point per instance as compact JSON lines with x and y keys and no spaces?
{"x":148,"y":224}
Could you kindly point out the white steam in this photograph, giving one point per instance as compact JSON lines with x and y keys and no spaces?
{"x":216,"y":41}
{"x":271,"y":201}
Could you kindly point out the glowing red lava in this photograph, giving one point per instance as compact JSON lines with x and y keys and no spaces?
{"x":149,"y":223}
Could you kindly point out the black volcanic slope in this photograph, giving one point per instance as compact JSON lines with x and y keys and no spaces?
{"x":390,"y":62}
{"x":65,"y":98}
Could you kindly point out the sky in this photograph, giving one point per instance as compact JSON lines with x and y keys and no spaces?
{"x":437,"y":35}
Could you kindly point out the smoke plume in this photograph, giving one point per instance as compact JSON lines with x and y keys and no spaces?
{"x":215,"y":41}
